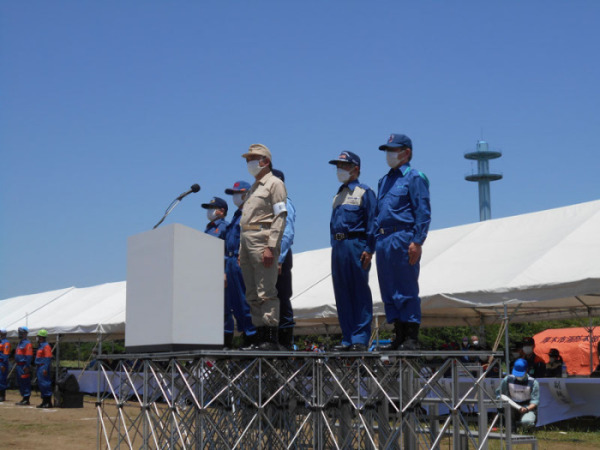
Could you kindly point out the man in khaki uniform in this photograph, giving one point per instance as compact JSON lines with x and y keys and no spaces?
{"x":262,"y":224}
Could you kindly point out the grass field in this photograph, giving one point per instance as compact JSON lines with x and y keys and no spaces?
{"x":70,"y":429}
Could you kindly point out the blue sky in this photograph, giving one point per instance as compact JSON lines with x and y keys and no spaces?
{"x":109,"y":110}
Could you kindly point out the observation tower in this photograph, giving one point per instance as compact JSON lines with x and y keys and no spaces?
{"x":483,"y":177}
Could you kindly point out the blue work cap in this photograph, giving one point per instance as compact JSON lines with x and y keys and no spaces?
{"x":238,"y":186}
{"x":3,"y":331}
{"x":397,"y":141}
{"x":346,"y":156}
{"x":520,"y":368}
{"x":216,"y":203}
{"x":279,"y":174}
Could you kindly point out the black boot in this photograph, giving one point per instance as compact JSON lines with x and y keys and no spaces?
{"x":249,"y":341}
{"x":412,"y":336}
{"x":286,"y":338}
{"x":272,"y":340}
{"x":257,"y":339}
{"x":2,"y":395}
{"x":398,"y":339}
{"x":46,"y":403}
{"x":24,"y":402}
{"x":227,"y":341}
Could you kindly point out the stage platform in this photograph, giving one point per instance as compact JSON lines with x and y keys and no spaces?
{"x":299,"y":400}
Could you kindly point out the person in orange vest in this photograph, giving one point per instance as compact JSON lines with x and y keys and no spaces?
{"x":43,"y":359}
{"x":4,"y":355}
{"x":23,"y":359}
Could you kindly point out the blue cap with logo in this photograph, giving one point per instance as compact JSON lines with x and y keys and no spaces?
{"x":397,"y":141}
{"x":238,"y":187}
{"x":520,"y":368}
{"x":216,"y":203}
{"x":279,"y":174}
{"x":346,"y":156}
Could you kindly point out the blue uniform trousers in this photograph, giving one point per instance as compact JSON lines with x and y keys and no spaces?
{"x":235,"y":299}
{"x":24,"y":381}
{"x":398,"y":280}
{"x":44,"y":382}
{"x":352,"y":293}
{"x":3,"y":375}
{"x":284,"y":292}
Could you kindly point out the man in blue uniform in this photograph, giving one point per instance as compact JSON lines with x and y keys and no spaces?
{"x":23,"y":359}
{"x":523,"y":390}
{"x":402,"y":220}
{"x":352,"y":243}
{"x":284,"y":279}
{"x":4,"y":355}
{"x":235,"y":290}
{"x":216,"y":210}
{"x":43,"y":359}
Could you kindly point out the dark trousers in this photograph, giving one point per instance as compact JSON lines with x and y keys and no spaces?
{"x":284,"y":292}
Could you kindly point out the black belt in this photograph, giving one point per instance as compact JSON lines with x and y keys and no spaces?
{"x":390,"y":230}
{"x":352,"y":235}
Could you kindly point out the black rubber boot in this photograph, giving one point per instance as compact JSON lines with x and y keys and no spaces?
{"x":24,"y":402}
{"x":257,"y":339}
{"x":2,"y":395}
{"x":399,"y":328}
{"x":46,"y":403}
{"x":227,"y":341}
{"x":412,"y":336}
{"x":286,"y":338}
{"x":271,"y":342}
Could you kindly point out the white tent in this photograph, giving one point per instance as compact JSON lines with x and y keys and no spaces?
{"x":543,"y":265}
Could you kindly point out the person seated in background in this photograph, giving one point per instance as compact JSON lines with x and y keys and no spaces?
{"x":524,"y":391}
{"x":596,"y":372}
{"x":536,"y":365}
{"x":554,"y":367}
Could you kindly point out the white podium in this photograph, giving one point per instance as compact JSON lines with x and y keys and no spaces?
{"x":174,"y":290}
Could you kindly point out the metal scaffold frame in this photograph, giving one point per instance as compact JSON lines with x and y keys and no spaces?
{"x":296,"y":400}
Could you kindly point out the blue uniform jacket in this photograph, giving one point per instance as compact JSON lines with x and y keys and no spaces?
{"x":232,"y":238}
{"x":356,"y":214}
{"x":217,"y":228}
{"x":289,"y":231}
{"x":403,"y":202}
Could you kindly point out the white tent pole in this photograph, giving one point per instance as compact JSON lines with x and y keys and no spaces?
{"x":506,"y":342}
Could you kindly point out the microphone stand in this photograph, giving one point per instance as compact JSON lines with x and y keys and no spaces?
{"x":173,"y":204}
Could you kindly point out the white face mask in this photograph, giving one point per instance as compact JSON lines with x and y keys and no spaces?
{"x":527,"y":350}
{"x":342,"y":175}
{"x":475,"y":343}
{"x":211,"y":214}
{"x":238,"y":199}
{"x":393,"y":159}
{"x":254,"y":167}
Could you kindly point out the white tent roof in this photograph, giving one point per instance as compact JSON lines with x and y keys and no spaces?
{"x":543,"y":265}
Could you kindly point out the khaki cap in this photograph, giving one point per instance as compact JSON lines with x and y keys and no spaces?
{"x":258,"y":149}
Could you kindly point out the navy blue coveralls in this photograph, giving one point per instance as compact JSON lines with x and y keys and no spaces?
{"x":235,"y":292}
{"x":403,"y":216}
{"x":284,"y":280}
{"x":23,"y":360}
{"x":218,"y":228}
{"x":352,"y":229}
{"x":43,"y":359}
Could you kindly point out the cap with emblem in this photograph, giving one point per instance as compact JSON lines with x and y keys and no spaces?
{"x":397,"y":141}
{"x":216,"y":203}
{"x":346,"y":156}
{"x":258,"y":149}
{"x":279,"y":174}
{"x":238,"y":186}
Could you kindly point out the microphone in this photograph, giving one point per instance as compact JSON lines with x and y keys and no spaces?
{"x":193,"y":188}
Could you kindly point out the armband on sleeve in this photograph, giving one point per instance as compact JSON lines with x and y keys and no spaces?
{"x":279,"y":208}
